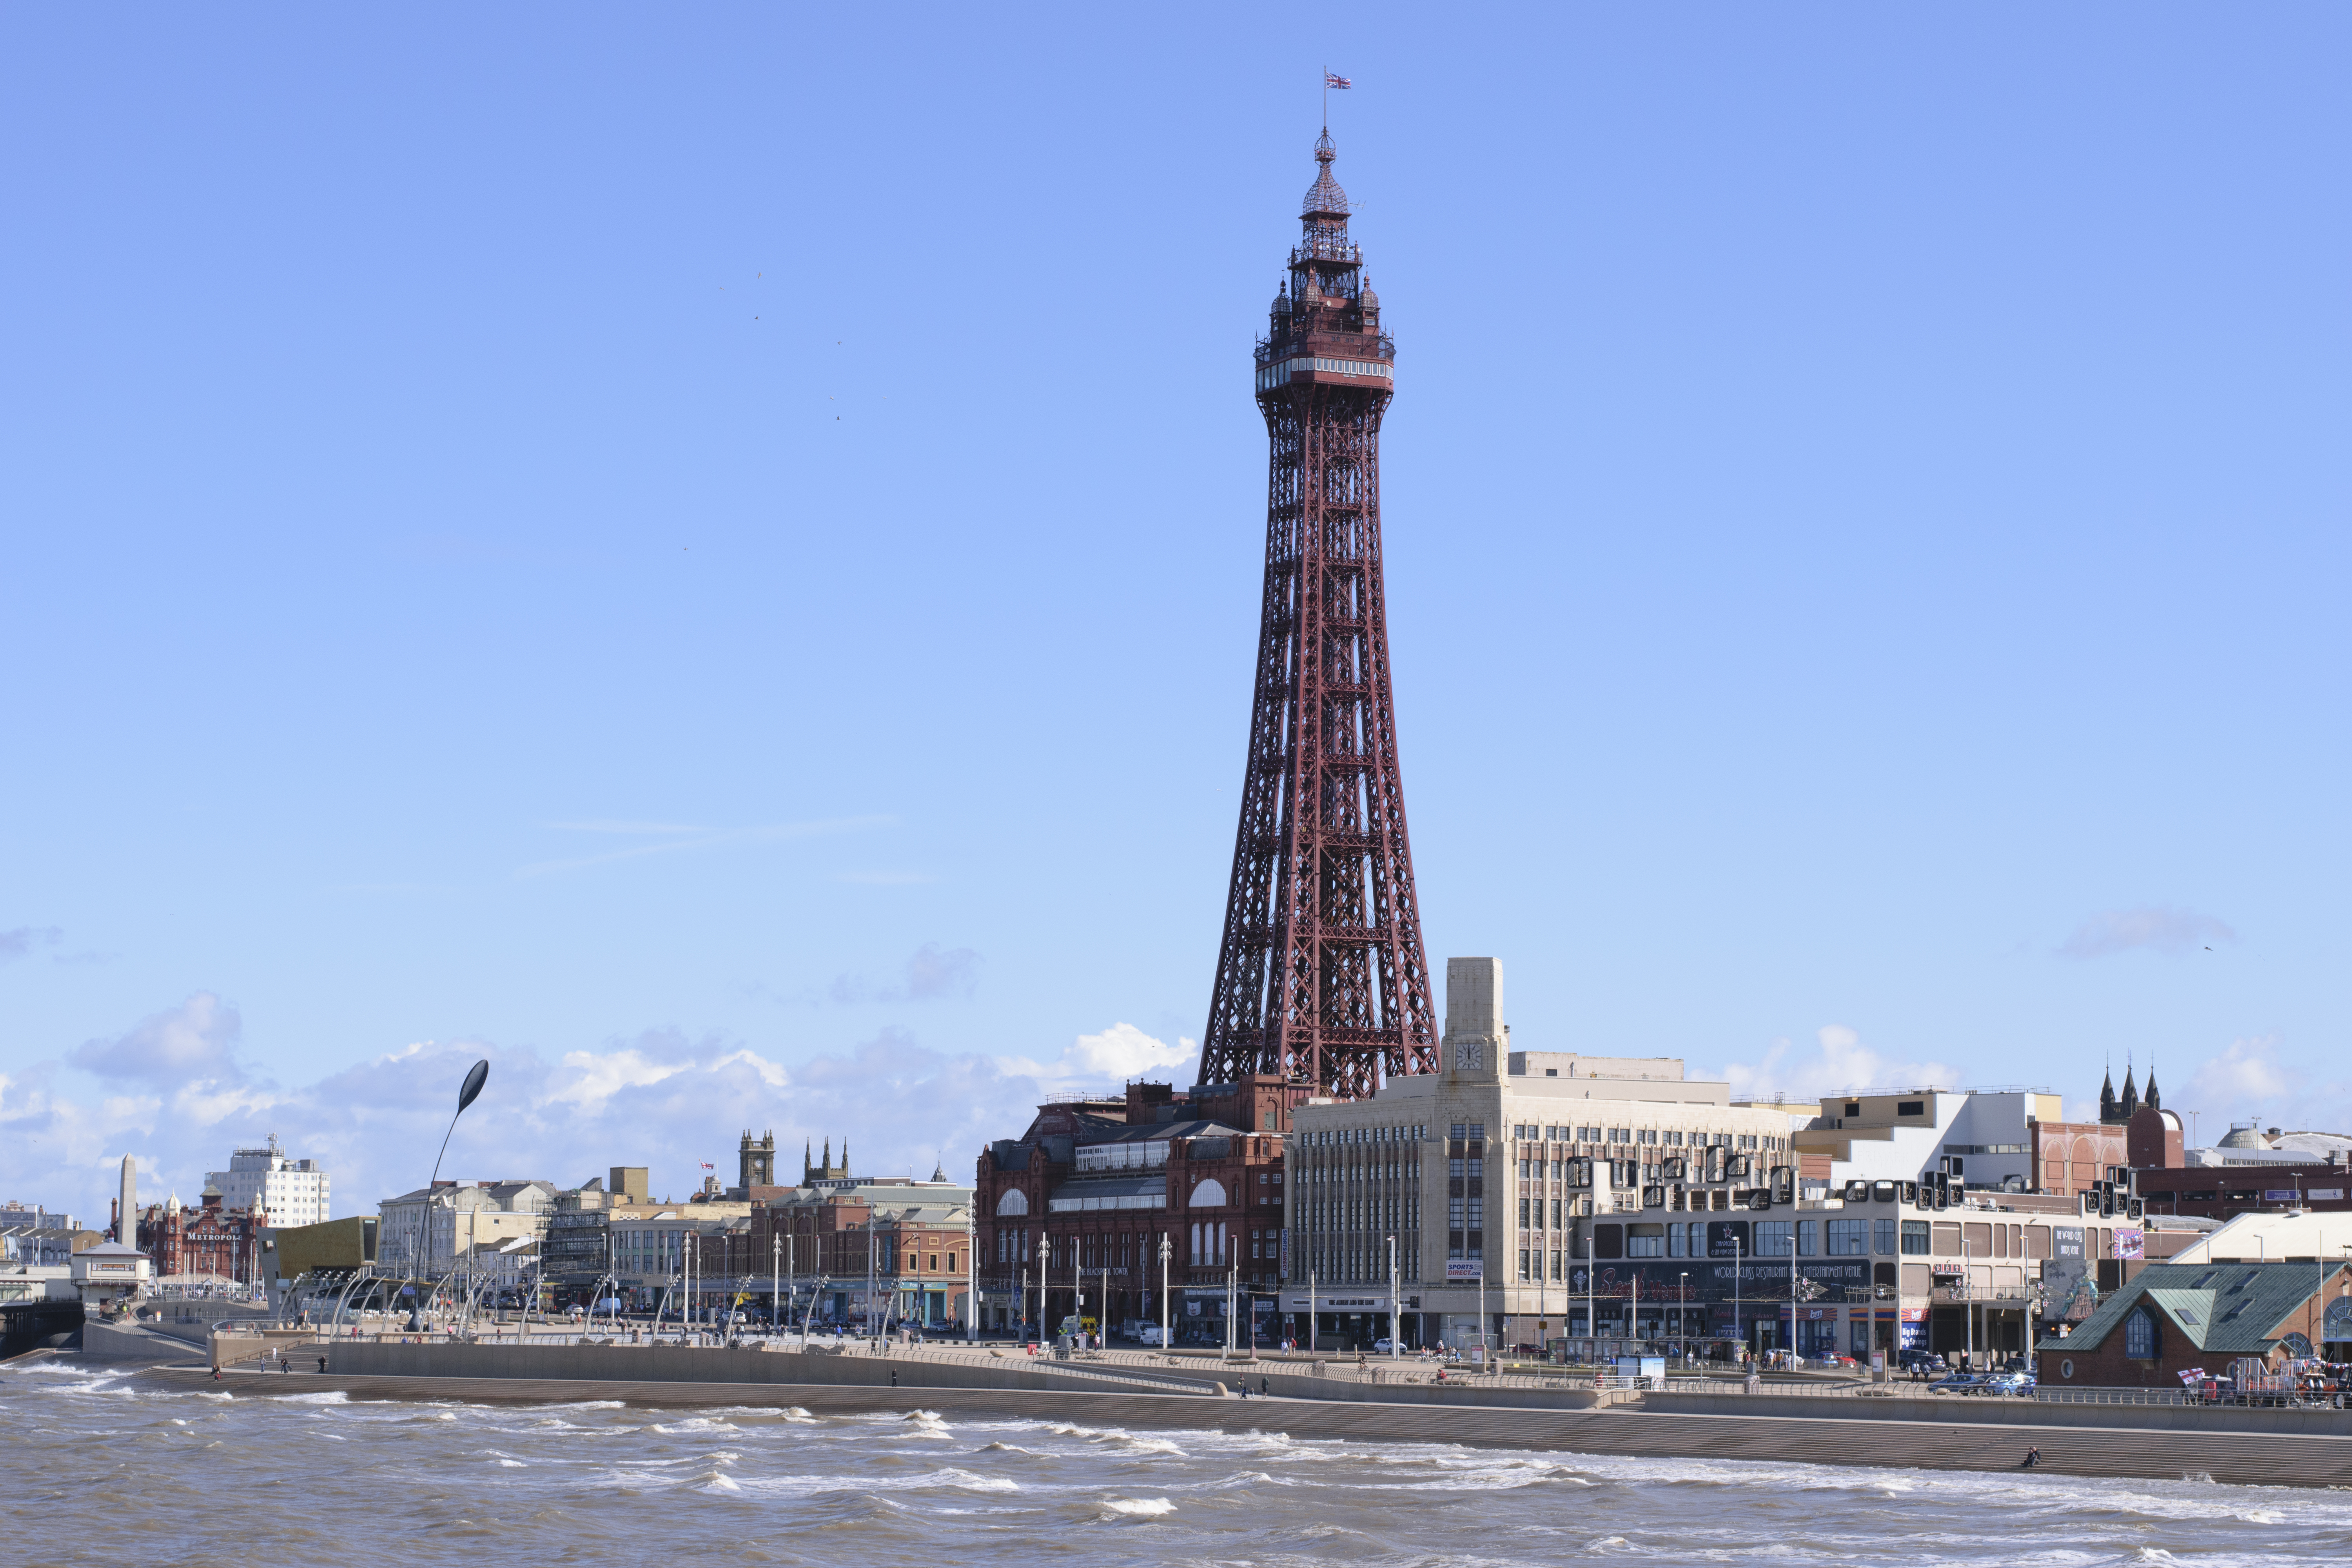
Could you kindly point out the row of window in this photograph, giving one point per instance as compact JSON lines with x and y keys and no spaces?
{"x":1336,"y":1137}
{"x":1360,"y":1213}
{"x":1673,"y":1138}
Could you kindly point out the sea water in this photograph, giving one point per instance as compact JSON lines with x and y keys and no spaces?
{"x":97,"y":1467}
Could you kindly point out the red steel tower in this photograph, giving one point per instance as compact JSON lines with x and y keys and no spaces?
{"x":1320,"y":976}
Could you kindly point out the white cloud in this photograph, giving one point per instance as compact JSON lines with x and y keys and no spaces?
{"x":2245,"y":1078}
{"x":1838,"y":1063}
{"x":589,"y":1079}
{"x":196,"y":1040}
{"x":659,"y":1098}
{"x":2160,"y":930}
{"x":1106,"y":1060}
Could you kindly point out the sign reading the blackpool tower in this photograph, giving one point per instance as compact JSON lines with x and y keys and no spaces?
{"x":1320,"y":974}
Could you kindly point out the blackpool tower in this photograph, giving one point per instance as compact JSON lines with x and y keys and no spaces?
{"x":1320,"y":976}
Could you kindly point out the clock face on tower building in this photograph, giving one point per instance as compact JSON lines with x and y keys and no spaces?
{"x":1470,"y":1056}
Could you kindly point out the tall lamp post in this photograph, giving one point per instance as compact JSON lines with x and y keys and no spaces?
{"x":468,"y":1092}
{"x":971,"y":1275}
{"x":1396,"y":1323}
{"x":1043,"y":1256}
{"x":1167,"y":1255}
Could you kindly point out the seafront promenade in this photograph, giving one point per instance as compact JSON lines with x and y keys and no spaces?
{"x":2290,"y":1447}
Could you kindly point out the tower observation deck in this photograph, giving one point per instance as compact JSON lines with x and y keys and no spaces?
{"x":1320,"y":974}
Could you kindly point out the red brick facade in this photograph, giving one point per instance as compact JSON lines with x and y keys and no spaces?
{"x":2069,"y":1157}
{"x":208,"y":1240}
{"x":1219,"y":1204}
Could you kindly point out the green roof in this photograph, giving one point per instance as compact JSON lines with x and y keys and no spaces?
{"x":2222,"y":1308}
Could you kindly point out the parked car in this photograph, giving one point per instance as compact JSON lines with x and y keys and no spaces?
{"x":1922,"y":1360}
{"x":1958,"y":1383}
{"x":2020,"y":1383}
{"x":1384,"y":1345}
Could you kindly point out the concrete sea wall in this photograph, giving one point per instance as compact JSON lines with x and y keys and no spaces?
{"x":1927,"y":1433}
{"x":1995,"y":1412}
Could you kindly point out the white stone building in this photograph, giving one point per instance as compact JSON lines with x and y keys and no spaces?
{"x":286,"y":1193}
{"x":1482,"y":1173}
{"x":424,"y":1231}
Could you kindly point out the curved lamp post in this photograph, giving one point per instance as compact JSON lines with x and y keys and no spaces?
{"x":468,"y":1092}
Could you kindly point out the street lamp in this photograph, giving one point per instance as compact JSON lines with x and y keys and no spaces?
{"x":468,"y":1092}
{"x":1396,"y":1323}
{"x":1682,"y":1304}
{"x":1043,"y":1256}
{"x":1167,"y":1253}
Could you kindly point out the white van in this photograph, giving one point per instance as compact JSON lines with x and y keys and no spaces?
{"x":1148,"y":1333}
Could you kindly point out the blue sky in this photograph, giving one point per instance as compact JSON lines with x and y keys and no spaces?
{"x":712,"y":558}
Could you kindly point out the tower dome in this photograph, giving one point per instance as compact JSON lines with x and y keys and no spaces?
{"x":1324,"y":198}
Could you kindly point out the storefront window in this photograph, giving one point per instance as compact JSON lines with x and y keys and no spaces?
{"x":1885,"y":1244}
{"x":1916,"y":1239}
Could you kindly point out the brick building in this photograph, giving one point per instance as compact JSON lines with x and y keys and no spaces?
{"x":2244,"y":1173}
{"x":208,"y":1240}
{"x":2172,"y":1318}
{"x":1102,"y":1183}
{"x":912,"y":1239}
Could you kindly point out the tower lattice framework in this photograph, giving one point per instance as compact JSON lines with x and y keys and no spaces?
{"x":1320,"y":974}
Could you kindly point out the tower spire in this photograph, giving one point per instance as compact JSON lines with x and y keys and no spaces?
{"x":1321,"y":978}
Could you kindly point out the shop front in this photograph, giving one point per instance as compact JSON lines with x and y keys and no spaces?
{"x":1343,"y":1320}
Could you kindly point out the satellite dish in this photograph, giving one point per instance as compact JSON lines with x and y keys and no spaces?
{"x":473,"y":1086}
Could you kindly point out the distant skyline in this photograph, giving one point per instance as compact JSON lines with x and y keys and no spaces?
{"x":714,"y":559}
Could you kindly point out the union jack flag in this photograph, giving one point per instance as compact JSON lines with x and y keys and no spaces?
{"x":1331,"y":81}
{"x":709,"y":1166}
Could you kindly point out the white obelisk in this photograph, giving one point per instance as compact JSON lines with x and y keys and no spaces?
{"x":127,"y":1230}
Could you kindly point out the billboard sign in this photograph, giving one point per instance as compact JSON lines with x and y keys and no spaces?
{"x":1465,"y":1268}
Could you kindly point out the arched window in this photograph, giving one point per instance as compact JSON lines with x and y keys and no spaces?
{"x":1014,"y":1201}
{"x":2139,"y":1335}
{"x":2339,"y":1319}
{"x":1208,"y":1194}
